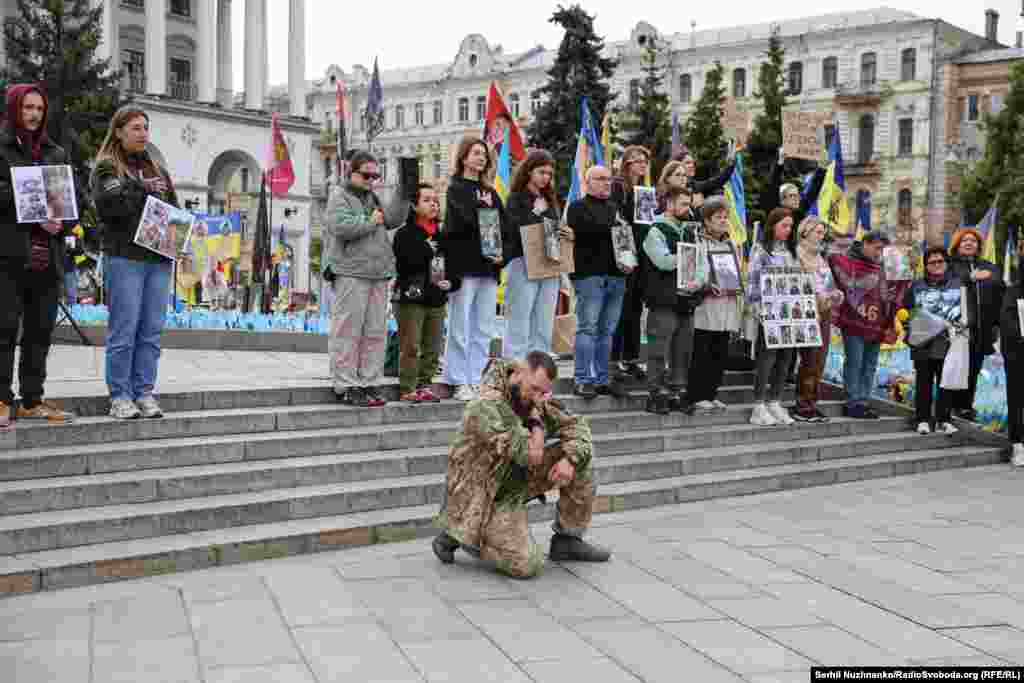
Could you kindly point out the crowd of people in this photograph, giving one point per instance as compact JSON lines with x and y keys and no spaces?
{"x":442,"y":272}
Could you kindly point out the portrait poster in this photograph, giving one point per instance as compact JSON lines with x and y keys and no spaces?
{"x":44,"y":193}
{"x":725,"y":271}
{"x":159,"y":227}
{"x":896,"y":263}
{"x":624,"y":246}
{"x":538,"y":265}
{"x":687,"y":277}
{"x":789,"y":315}
{"x":645,"y":206}
{"x":490,"y":233}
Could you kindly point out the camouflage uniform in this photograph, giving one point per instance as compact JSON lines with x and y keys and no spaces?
{"x":490,"y":479}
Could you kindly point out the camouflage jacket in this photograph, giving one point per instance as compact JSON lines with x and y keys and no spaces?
{"x":488,"y":461}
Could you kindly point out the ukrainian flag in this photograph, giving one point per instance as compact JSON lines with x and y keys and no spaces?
{"x":736,"y":196}
{"x":987,"y":229}
{"x":503,"y":177}
{"x":588,"y":153}
{"x":833,"y":208}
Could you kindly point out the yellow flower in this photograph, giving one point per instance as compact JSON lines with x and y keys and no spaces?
{"x":903,"y":315}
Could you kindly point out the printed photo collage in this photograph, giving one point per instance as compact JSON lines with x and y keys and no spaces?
{"x":789,"y":311}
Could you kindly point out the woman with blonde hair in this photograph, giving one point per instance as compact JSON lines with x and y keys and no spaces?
{"x":529,"y":304}
{"x":674,"y":175}
{"x":472,"y":306}
{"x":626,"y":342}
{"x":137,"y":281}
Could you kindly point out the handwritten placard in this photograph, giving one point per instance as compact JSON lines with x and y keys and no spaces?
{"x":735,"y":122}
{"x":803,"y":134}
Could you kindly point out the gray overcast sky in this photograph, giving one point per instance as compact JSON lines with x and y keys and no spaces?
{"x":403,"y":33}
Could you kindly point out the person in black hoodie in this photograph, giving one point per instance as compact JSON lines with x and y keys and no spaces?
{"x":31,"y":262}
{"x":473,"y":307}
{"x":600,"y":285}
{"x":984,"y":297}
{"x":138,"y":281}
{"x":529,"y":304}
{"x":1011,"y":344}
{"x":421,"y":293}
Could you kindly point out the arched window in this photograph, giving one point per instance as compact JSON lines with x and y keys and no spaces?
{"x":829,"y":72}
{"x":905,"y":203}
{"x":796,"y":78}
{"x":908,"y":64}
{"x":685,"y":88}
{"x":868,"y":68}
{"x":463,"y":109}
{"x":739,"y":83}
{"x":866,"y":142}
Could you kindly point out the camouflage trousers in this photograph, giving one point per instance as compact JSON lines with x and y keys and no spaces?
{"x":500,"y":532}
{"x":358,"y":339}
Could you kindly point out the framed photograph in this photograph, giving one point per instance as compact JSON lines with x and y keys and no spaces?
{"x":159,"y":227}
{"x":645,"y":205}
{"x":44,"y":193}
{"x":490,"y":233}
{"x":725,"y":271}
{"x":437,"y":270}
{"x":896,"y":263}
{"x":624,"y":246}
{"x":687,"y":277}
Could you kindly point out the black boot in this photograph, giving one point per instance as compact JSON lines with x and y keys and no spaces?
{"x":573,"y":549}
{"x":658,"y":403}
{"x":444,"y":547}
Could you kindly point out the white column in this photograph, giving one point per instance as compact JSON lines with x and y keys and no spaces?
{"x":156,"y":47}
{"x":206,"y":51}
{"x":297,"y":56}
{"x":255,"y":53}
{"x":225,"y":77}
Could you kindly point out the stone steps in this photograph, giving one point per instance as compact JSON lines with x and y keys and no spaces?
{"x":622,"y":457}
{"x":111,"y":561}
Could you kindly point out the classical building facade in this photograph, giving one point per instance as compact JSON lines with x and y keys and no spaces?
{"x":877,"y":71}
{"x":176,"y":60}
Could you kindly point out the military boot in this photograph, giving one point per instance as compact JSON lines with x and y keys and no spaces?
{"x":444,"y":547}
{"x":573,"y":549}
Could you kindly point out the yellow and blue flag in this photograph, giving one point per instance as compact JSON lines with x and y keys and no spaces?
{"x":988,"y":233}
{"x":503,"y":177}
{"x":588,"y":153}
{"x":736,"y":197}
{"x":833,"y":207}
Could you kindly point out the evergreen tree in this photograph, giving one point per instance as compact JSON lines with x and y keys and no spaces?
{"x":766,"y":138}
{"x":703,"y":129}
{"x":53,"y":43}
{"x":650,"y":123}
{"x":579,"y":71}
{"x":999,"y":176}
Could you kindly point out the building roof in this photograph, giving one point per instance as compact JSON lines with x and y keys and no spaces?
{"x":1004,"y":54}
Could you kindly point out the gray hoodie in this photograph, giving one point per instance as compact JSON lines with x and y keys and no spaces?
{"x":359,"y":247}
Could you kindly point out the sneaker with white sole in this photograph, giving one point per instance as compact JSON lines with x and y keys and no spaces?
{"x":464,"y":393}
{"x":780,"y":414}
{"x":1018,"y":455}
{"x":762,"y":417}
{"x":947,"y":428}
{"x":123,"y":409}
{"x":149,"y":408}
{"x":924,"y":428}
{"x":704,"y":406}
{"x":719,"y":405}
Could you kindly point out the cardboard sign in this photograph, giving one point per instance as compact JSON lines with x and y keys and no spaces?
{"x":538,"y":265}
{"x":735,"y":122}
{"x":802,"y":134}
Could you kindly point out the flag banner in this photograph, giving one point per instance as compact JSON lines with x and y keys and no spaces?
{"x":588,"y":153}
{"x":375,"y":105}
{"x":280,"y":171}
{"x":500,"y":127}
{"x":342,"y":142}
{"x":833,"y":207}
{"x":503,"y":175}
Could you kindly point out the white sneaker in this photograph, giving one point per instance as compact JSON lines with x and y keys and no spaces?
{"x":149,"y":408}
{"x":948,"y":429}
{"x":464,"y":393}
{"x":762,"y":417}
{"x":123,"y":409}
{"x":923,"y":428}
{"x":1018,"y":455}
{"x":780,"y":414}
{"x":704,"y":406}
{"x":719,"y":405}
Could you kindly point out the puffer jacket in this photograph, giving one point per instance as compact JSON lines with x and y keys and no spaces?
{"x":360,"y":248}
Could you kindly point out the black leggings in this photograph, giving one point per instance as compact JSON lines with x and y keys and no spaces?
{"x":29,"y":298}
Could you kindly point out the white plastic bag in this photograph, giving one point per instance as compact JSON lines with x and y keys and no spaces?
{"x":957,"y":366}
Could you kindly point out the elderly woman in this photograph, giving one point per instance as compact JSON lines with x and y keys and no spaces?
{"x":984,"y":297}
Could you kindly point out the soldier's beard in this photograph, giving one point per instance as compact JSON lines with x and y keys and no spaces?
{"x":519,"y":406}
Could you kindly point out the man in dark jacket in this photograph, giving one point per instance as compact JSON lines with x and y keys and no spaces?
{"x":31,"y":261}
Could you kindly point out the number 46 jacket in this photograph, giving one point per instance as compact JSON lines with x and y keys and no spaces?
{"x":870,"y":301}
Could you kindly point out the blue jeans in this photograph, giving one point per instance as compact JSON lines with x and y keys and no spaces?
{"x":137,"y":297}
{"x":859,"y":369}
{"x":471,"y":313}
{"x":598,"y":307}
{"x":529,"y":311}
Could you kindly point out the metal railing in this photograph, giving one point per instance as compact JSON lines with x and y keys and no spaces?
{"x":182,"y":90}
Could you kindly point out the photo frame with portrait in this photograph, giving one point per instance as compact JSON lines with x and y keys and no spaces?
{"x":645,"y":205}
{"x":44,"y":193}
{"x":725,"y":272}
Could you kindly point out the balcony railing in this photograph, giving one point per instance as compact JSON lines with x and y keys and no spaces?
{"x":135,"y":83}
{"x":182,"y":90}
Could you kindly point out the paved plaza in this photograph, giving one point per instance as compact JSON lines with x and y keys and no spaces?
{"x":906,"y":570}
